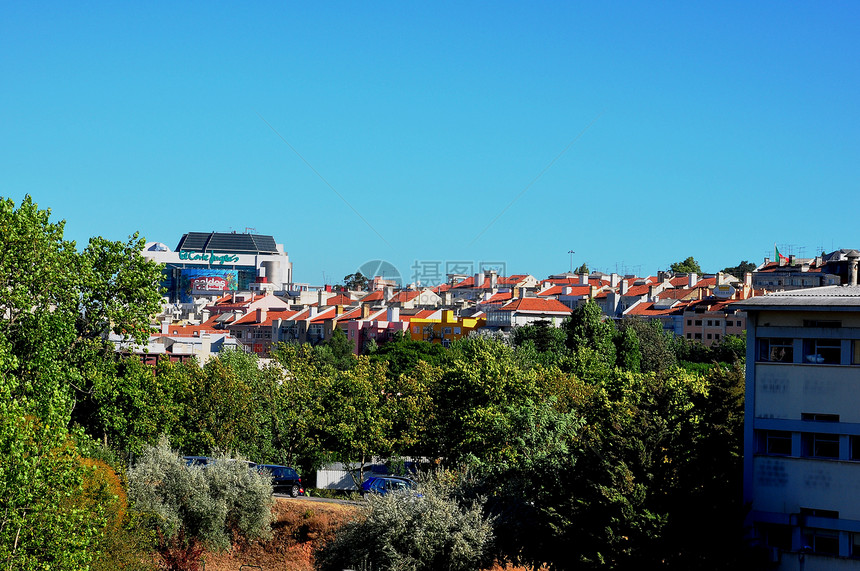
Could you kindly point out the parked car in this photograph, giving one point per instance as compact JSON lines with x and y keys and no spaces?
{"x":388,"y":485}
{"x":203,"y":461}
{"x":285,"y":480}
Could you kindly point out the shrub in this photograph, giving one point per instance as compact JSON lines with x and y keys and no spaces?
{"x":197,"y":507}
{"x":433,"y":531}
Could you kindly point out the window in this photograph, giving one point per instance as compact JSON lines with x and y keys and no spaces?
{"x":774,"y":442}
{"x":855,"y":352}
{"x":821,"y":323}
{"x":446,"y":342}
{"x":709,"y":336}
{"x":698,"y":322}
{"x":447,"y":331}
{"x":825,"y":542}
{"x":416,"y":329}
{"x":689,"y":335}
{"x":854,"y":450}
{"x":456,"y":331}
{"x":698,"y":336}
{"x":776,"y":535}
{"x":689,"y":322}
{"x":716,"y":335}
{"x":818,"y":445}
{"x":819,"y":417}
{"x":776,"y":350}
{"x":822,"y":351}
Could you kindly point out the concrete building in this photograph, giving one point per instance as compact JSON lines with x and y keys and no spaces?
{"x":802,"y":426}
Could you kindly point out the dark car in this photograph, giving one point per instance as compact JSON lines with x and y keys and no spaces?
{"x":383,"y":485}
{"x":196,"y":460}
{"x":285,"y":480}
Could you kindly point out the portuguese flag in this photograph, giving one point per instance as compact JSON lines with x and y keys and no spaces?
{"x":779,"y":257}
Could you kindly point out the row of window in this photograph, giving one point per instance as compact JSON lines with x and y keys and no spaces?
{"x":699,"y":336}
{"x":812,"y":444}
{"x":820,"y":541}
{"x":714,"y":323}
{"x":814,"y":351}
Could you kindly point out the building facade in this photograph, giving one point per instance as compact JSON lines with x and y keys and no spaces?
{"x":206,"y":264}
{"x":802,"y":426}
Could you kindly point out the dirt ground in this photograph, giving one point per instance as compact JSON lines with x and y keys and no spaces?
{"x":299,"y":526}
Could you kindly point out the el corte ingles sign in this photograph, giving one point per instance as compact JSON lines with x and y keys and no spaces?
{"x":211,"y":257}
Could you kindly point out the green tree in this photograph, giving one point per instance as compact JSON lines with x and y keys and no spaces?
{"x":58,"y":304}
{"x":590,"y":336}
{"x":48,"y":520}
{"x":582,"y":270}
{"x":655,"y":345}
{"x":741,"y":269}
{"x":355,"y":282}
{"x":688,"y":266}
{"x":402,"y":354}
{"x":477,"y":381}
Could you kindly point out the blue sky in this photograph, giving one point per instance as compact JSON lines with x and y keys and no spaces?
{"x":636,"y":134}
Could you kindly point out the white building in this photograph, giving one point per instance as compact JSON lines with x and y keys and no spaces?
{"x":802,"y":426}
{"x":212,"y":263}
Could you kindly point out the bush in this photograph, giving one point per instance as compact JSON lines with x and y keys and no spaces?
{"x":430,"y":532}
{"x":198,"y":507}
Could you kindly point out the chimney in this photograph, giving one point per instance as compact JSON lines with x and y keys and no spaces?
{"x":614,"y":280}
{"x":165,"y":326}
{"x":583,"y":279}
{"x":393,"y":314}
{"x":389,"y":292}
{"x":321,"y":298}
{"x":625,"y":285}
{"x":493,"y":279}
{"x":692,"y":279}
{"x":447,"y":298}
{"x":365,"y":311}
{"x":261,"y":315}
{"x":748,"y":279}
{"x":312,"y":312}
{"x":853,"y":257}
{"x":791,"y":259}
{"x":567,"y":290}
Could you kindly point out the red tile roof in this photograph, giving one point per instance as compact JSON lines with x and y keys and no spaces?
{"x":271,"y":316}
{"x":374,"y":296}
{"x":647,"y":309}
{"x":340,"y":299}
{"x":404,"y":296}
{"x":501,"y":296}
{"x":536,"y":305}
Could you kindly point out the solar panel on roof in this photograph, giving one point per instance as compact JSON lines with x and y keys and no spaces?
{"x":227,"y":242}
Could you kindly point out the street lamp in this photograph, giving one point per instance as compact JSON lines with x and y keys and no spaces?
{"x":571,"y":252}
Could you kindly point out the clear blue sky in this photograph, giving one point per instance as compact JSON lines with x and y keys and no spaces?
{"x":704,"y":129}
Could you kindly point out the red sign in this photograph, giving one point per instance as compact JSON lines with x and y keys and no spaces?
{"x":209,"y":283}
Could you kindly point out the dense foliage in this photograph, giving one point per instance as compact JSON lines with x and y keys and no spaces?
{"x":591,"y":445}
{"x":198,"y":506}
{"x":438,"y":530}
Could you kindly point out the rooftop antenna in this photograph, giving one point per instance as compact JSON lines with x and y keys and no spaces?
{"x":249,"y":230}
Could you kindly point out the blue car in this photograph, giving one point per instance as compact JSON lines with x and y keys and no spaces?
{"x":383,"y":485}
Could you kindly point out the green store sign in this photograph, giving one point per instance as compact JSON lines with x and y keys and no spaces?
{"x":211,"y":257}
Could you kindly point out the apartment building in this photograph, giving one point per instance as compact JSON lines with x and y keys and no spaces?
{"x":802,"y":426}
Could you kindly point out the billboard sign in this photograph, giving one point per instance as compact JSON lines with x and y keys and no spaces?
{"x":206,"y":281}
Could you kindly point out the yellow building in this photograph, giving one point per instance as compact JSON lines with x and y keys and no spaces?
{"x":444,"y":330}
